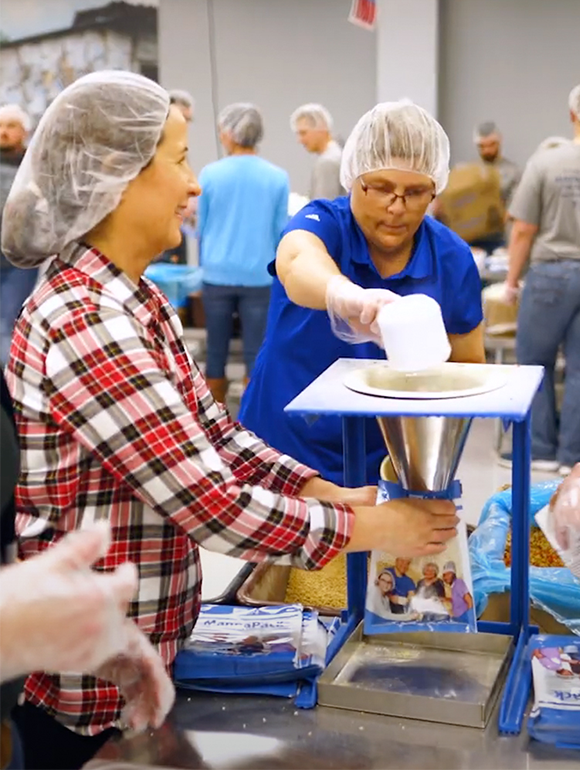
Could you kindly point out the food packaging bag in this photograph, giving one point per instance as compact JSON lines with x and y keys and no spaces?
{"x":555,"y":716}
{"x":425,"y":593}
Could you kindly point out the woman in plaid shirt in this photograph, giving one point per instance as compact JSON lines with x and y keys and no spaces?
{"x":115,"y":419}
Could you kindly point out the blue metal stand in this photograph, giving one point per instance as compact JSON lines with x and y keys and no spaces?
{"x":328,"y":395}
{"x":354,"y":451}
{"x":518,"y":684}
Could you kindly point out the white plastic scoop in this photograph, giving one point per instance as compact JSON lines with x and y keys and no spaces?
{"x":413,"y":333}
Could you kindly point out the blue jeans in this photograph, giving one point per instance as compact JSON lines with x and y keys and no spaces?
{"x":15,"y":286}
{"x":549,"y":316}
{"x":220,"y":303}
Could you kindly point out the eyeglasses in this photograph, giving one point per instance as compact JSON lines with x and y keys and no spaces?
{"x":413,"y":200}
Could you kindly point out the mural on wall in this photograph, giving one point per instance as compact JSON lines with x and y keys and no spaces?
{"x":35,"y":68}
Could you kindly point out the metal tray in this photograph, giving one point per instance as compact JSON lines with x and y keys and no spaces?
{"x":436,"y":677}
{"x":267,"y":584}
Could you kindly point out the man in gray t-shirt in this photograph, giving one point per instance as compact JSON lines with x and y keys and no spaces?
{"x":549,"y":198}
{"x":546,"y":230}
{"x":312,"y":124}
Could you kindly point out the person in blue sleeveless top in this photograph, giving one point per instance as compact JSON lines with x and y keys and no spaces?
{"x":340,"y":261}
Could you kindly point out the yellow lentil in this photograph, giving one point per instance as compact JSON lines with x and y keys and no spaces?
{"x":323,"y":588}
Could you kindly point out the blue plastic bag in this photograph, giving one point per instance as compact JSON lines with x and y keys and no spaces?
{"x":264,"y":650}
{"x":177,"y":282}
{"x":555,"y":716}
{"x":554,"y":590}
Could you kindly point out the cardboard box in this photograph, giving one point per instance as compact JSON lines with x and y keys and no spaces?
{"x":498,"y":610}
{"x":500,"y":317}
{"x":471,"y":204}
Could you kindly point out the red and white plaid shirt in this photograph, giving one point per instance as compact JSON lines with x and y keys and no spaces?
{"x":116,"y":422}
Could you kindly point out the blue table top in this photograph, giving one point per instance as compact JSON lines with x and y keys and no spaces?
{"x":328,"y":395}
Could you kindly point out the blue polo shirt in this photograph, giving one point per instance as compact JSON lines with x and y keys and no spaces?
{"x":403,"y":583}
{"x":300,"y":345}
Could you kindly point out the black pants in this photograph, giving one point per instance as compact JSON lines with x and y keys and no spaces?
{"x":50,"y":746}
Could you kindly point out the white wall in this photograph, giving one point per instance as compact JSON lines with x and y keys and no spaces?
{"x":276,"y":53}
{"x":408,"y":51}
{"x":512,"y":61}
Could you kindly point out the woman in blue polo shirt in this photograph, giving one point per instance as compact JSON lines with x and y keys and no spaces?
{"x":338,"y":264}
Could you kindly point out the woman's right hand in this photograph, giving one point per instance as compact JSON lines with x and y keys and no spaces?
{"x":407,"y":528}
{"x":353,"y":310}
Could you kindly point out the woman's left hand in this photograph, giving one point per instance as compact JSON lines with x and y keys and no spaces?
{"x":331,"y":493}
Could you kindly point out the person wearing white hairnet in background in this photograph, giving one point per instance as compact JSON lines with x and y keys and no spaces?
{"x":340,"y":261}
{"x":488,"y":140}
{"x":15,"y":284}
{"x":184,"y":102}
{"x":546,"y":231}
{"x":115,"y":420}
{"x":312,"y":124}
{"x":241,"y":214}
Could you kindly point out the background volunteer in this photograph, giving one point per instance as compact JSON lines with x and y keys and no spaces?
{"x":546,"y":230}
{"x":242,"y":212}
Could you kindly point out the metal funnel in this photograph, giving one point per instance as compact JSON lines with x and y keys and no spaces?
{"x":425,"y":451}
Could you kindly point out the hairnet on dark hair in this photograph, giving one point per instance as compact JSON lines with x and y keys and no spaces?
{"x":95,"y":138}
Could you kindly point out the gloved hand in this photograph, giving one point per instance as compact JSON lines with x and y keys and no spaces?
{"x":57,"y":614}
{"x":511,"y":293}
{"x":140,"y":675}
{"x":353,"y":310}
{"x":564,"y":515}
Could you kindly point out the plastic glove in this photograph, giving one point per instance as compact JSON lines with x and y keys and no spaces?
{"x":565,"y":517}
{"x":511,"y":294}
{"x":57,"y":614}
{"x":140,"y":675}
{"x":353,"y":310}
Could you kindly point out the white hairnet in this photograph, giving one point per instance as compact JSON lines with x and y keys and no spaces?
{"x":15,"y":112}
{"x":243,"y":122}
{"x":485,"y":131}
{"x":95,"y":138}
{"x":396,"y":135}
{"x":179,"y":96}
{"x":316,"y":115}
{"x":574,"y":101}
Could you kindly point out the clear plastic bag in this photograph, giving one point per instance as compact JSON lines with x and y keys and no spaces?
{"x":554,"y":590}
{"x":560,"y":521}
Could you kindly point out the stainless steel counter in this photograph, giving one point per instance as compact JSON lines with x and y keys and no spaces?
{"x":207,"y":731}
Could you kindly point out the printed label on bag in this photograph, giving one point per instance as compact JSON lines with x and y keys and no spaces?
{"x":426,"y":593}
{"x":556,"y":673}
